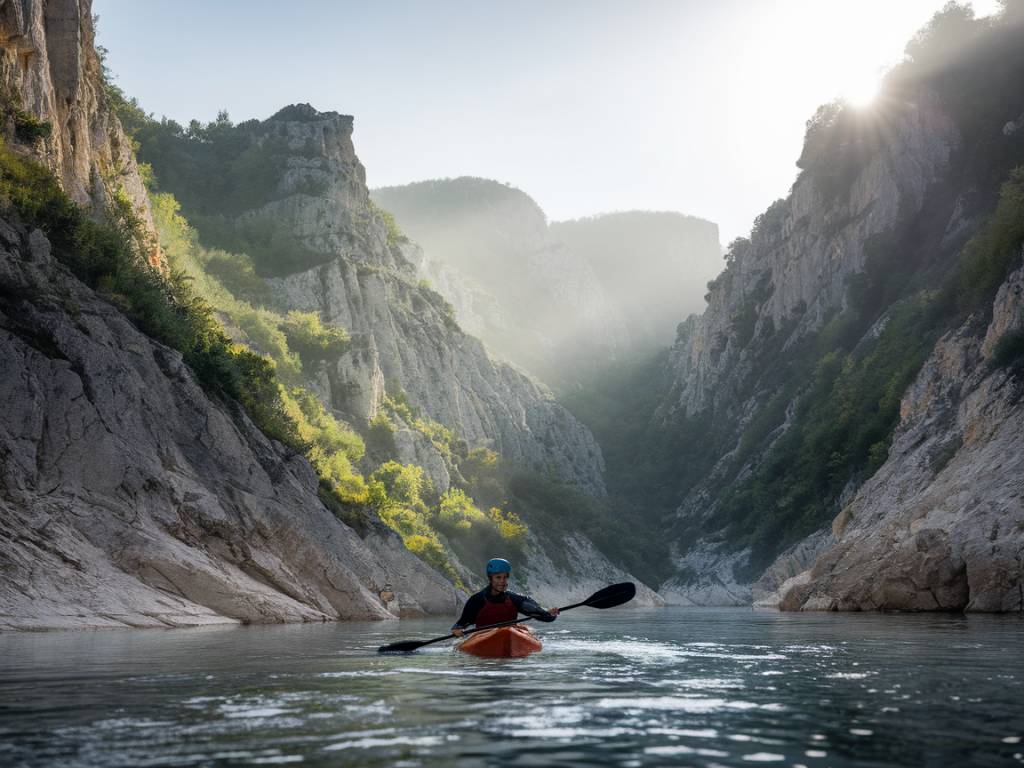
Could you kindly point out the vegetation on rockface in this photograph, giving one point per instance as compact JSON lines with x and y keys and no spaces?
{"x":841,"y":430}
{"x":27,"y":127}
{"x":313,"y":341}
{"x":647,"y":463}
{"x":993,"y":253}
{"x":331,"y":446}
{"x":219,"y":170}
{"x":395,"y":234}
{"x":481,"y":514}
{"x":107,"y":256}
{"x":398,"y":406}
{"x":1009,"y":351}
{"x":300,"y":344}
{"x":432,"y":526}
{"x":803,"y":421}
{"x":486,"y":511}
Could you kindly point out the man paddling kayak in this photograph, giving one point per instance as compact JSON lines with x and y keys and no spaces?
{"x":494,"y":603}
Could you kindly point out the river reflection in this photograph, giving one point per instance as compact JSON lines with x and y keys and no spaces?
{"x":703,"y":687}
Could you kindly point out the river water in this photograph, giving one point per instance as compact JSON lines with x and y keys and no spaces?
{"x":702,"y":687}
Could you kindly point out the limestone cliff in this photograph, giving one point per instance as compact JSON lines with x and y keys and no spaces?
{"x":330,"y":250}
{"x":51,"y":75}
{"x":795,"y":272}
{"x":129,"y":498}
{"x":941,"y":525}
{"x":781,"y":286}
{"x":833,"y":309}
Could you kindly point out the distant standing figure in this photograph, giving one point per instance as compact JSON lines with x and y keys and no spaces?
{"x":494,"y":603}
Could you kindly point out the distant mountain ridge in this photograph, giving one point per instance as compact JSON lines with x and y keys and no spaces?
{"x":561,"y":299}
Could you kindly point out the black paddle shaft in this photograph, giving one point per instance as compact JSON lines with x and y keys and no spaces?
{"x":609,"y":597}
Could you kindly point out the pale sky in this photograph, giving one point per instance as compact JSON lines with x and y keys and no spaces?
{"x":587,"y":105}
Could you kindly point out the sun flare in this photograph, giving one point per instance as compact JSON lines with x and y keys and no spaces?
{"x":862,"y":91}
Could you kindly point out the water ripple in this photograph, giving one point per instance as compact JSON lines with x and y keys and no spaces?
{"x":625,"y":688}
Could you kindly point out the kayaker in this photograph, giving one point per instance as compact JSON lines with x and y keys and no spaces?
{"x":494,"y":603}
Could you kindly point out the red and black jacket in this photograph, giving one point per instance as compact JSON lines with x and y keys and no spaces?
{"x":484,"y":609}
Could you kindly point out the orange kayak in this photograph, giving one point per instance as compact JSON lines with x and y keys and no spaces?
{"x":515,"y":641}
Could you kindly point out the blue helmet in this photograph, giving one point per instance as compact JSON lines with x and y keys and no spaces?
{"x":498,"y":565}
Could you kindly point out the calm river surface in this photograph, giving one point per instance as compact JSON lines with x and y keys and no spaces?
{"x":704,"y":687}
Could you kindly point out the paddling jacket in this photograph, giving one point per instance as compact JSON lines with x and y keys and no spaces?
{"x":484,"y":609}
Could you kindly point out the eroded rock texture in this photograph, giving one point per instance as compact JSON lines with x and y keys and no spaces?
{"x":49,"y":69}
{"x":941,"y":525}
{"x":405,"y":332}
{"x":129,"y":498}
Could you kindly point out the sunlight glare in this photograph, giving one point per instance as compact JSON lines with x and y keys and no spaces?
{"x":861,"y":93}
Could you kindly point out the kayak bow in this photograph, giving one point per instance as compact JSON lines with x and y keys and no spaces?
{"x":516,"y":641}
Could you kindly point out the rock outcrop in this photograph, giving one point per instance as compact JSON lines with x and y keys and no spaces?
{"x":51,"y":74}
{"x":802,"y":254}
{"x":129,"y":498}
{"x":581,"y":572}
{"x":368,"y":285}
{"x":941,"y":525}
{"x":877,"y":224}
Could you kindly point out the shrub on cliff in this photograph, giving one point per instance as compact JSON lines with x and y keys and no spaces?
{"x":238,"y":274}
{"x":395,"y":234}
{"x":458,"y":511}
{"x":330,"y":445}
{"x":1009,"y":351}
{"x":396,"y":492}
{"x":994,"y":252}
{"x":107,"y":256}
{"x":311,"y":339}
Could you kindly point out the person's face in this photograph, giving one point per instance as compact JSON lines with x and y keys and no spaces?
{"x":499,"y":582}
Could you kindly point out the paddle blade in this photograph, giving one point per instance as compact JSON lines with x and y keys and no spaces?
{"x":609,"y":597}
{"x":403,"y":647}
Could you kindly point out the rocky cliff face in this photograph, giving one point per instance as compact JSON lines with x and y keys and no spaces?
{"x":406,"y":335}
{"x":875,"y":224}
{"x":50,"y":73}
{"x":781,"y":286}
{"x":129,"y":498}
{"x":795,"y":272}
{"x":941,"y":525}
